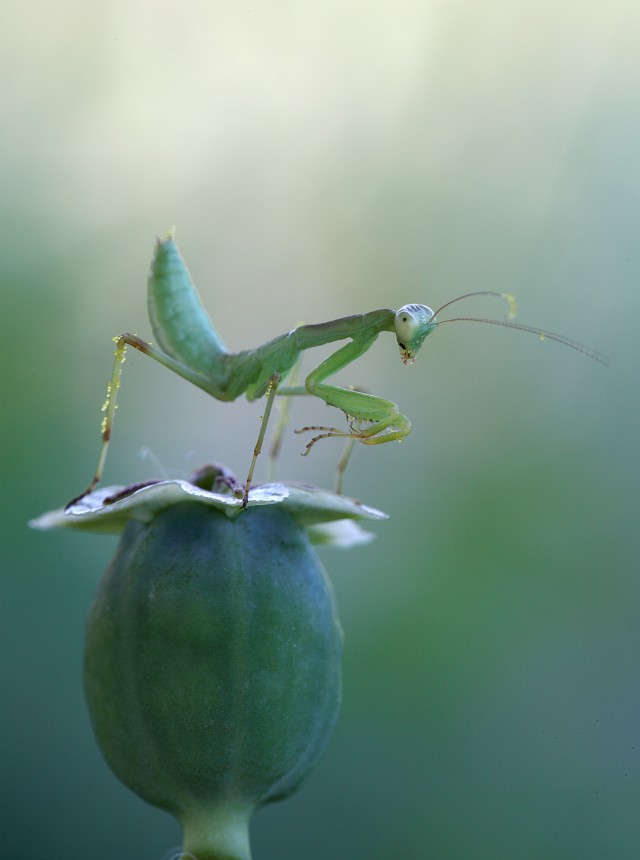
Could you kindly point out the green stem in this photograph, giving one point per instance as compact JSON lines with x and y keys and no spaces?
{"x":217,"y":834}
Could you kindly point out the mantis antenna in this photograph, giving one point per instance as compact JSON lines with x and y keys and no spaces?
{"x":542,"y":333}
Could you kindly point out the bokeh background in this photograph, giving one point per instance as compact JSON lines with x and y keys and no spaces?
{"x":320,"y":159}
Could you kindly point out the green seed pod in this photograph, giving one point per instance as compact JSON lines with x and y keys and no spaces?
{"x":212,"y":666}
{"x":212,"y":661}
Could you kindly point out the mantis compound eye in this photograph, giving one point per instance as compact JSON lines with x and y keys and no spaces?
{"x":412,"y":324}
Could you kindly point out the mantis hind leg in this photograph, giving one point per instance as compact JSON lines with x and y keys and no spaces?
{"x":109,"y":409}
{"x":109,"y":406}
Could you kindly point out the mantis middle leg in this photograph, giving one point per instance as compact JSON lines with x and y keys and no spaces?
{"x":271,"y":392}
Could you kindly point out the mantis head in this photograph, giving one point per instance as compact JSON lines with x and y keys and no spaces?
{"x":413,"y":323}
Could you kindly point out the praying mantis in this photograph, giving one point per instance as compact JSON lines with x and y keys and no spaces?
{"x":189,"y":345}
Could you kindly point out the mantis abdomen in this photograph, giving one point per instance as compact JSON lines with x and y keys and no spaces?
{"x":180,"y":323}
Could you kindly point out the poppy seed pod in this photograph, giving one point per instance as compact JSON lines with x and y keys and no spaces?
{"x":212,"y":660}
{"x":212,"y":666}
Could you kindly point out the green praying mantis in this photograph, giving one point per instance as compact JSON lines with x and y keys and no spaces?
{"x":190,"y":346}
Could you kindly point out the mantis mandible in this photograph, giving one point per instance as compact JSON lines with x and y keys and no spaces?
{"x":190,"y":346}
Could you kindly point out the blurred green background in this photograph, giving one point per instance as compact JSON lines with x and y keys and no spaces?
{"x":321,"y":159}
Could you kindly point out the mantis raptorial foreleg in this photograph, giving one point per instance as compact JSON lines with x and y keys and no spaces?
{"x":372,"y":420}
{"x":190,"y":346}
